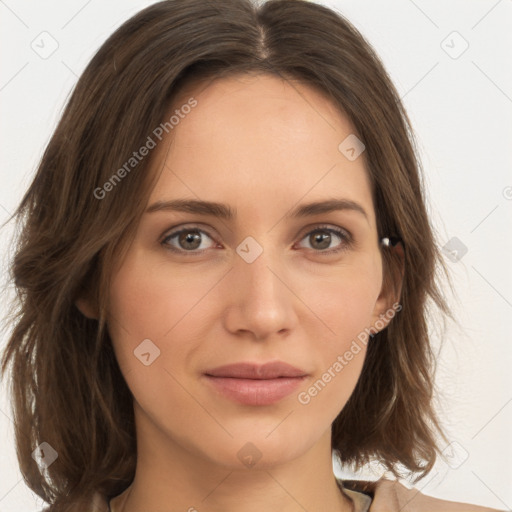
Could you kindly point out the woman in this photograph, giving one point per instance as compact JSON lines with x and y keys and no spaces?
{"x":223,"y":271}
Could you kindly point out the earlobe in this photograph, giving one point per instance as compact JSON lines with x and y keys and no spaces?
{"x":86,"y":308}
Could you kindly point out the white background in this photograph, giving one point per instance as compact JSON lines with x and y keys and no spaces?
{"x":461,"y":111}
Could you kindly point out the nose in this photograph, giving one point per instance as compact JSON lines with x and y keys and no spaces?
{"x":259,"y":299}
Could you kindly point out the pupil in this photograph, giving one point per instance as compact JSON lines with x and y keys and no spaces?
{"x":324,"y":239}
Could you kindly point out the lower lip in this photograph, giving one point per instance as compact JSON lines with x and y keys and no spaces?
{"x":256,"y":391}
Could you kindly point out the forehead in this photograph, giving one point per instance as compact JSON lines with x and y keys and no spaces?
{"x":255,"y":137}
{"x":285,"y":111}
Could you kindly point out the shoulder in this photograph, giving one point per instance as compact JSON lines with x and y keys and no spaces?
{"x":391,"y":496}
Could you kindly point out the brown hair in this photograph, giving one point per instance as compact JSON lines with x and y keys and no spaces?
{"x":67,"y":388}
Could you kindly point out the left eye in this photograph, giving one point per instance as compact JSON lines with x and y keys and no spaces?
{"x":322,"y":237}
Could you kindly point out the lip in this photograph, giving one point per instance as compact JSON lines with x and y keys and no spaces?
{"x":270,"y":370}
{"x":255,"y":384}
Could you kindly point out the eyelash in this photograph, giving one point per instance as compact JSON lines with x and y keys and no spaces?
{"x":346,"y":240}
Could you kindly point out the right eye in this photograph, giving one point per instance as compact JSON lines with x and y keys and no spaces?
{"x":187,"y":241}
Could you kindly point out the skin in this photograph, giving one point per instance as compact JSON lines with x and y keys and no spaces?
{"x":262,"y":146}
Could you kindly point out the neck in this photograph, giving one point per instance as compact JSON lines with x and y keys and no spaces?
{"x":170,"y":477}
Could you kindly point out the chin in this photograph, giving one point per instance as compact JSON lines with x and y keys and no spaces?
{"x":254,"y":450}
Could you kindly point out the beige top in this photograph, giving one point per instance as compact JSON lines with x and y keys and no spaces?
{"x":380,"y":496}
{"x":360,"y":500}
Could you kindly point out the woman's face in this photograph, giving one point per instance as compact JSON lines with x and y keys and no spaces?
{"x":272,"y":282}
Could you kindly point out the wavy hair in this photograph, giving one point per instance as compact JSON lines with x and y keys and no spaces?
{"x":66,"y":386}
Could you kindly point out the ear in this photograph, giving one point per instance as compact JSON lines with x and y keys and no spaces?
{"x":87,"y":308}
{"x":388,"y":302}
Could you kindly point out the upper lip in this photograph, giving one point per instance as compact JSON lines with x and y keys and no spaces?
{"x":271,"y":370}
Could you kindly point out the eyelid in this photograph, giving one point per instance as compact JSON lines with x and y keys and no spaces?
{"x":174,"y":230}
{"x":323,"y":226}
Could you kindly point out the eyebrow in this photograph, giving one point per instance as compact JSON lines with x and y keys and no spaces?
{"x":224,"y":211}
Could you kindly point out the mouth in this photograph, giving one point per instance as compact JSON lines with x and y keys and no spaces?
{"x":253,"y":384}
{"x":255,"y":391}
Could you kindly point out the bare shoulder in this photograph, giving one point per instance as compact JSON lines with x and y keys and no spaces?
{"x":390,"y":496}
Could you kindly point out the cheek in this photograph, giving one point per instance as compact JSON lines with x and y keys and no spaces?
{"x":147,"y":301}
{"x":344,"y":300}
{"x":339,"y":357}
{"x":344,"y":305}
